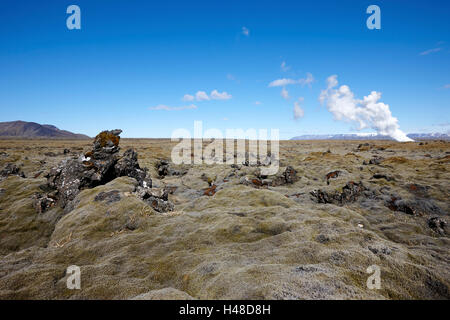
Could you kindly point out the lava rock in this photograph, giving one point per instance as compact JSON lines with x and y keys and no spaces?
{"x":374,"y":161}
{"x":11,"y":169}
{"x":210,"y":191}
{"x":380,"y":250}
{"x":109,"y":197}
{"x":96,"y":167}
{"x":350,"y":193}
{"x":128,"y":166}
{"x":164,"y":169}
{"x":322,"y":238}
{"x":420,"y":207}
{"x":157,"y":198}
{"x":42,"y":203}
{"x":382,"y":176}
{"x":106,"y":143}
{"x":437,"y":224}
{"x":288,"y":176}
{"x":332,"y":175}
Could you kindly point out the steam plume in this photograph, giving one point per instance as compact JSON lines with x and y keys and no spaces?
{"x":367,"y":113}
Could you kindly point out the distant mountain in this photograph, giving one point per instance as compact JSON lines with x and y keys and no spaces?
{"x":22,"y":129}
{"x":371,"y":136}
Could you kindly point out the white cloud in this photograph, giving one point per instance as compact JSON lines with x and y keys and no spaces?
{"x":220,"y":96}
{"x":188,"y":97}
{"x":284,"y":93}
{"x":298,"y":111}
{"x":284,"y":82}
{"x":426,"y":52}
{"x":245,"y":31}
{"x":367,"y":112}
{"x":201,"y":96}
{"x":168,"y":108}
{"x":284,"y":67}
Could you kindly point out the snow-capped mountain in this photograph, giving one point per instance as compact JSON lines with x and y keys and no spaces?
{"x":371,"y":136}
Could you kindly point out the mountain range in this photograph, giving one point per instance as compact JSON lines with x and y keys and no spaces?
{"x":23,"y":129}
{"x":29,"y":130}
{"x":371,"y":136}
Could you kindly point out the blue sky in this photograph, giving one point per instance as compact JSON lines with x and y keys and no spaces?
{"x":132,"y":56}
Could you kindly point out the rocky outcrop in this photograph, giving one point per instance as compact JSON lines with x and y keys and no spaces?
{"x":438,"y":225}
{"x":164,"y":169}
{"x":98,"y":167}
{"x":94,"y":168}
{"x":417,"y":207}
{"x":288,"y":176}
{"x":332,"y":175}
{"x":42,"y":202}
{"x":157,"y":198}
{"x":11,"y":169}
{"x":350,"y":193}
{"x":128,"y":166}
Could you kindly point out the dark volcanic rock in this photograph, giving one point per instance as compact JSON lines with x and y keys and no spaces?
{"x":419,"y":207}
{"x":437,"y":224}
{"x":11,"y":170}
{"x":382,"y":176}
{"x":73,"y":175}
{"x":164,"y":169}
{"x":332,"y":175}
{"x":210,"y":191}
{"x":375,"y":161}
{"x":289,"y":176}
{"x":350,"y":193}
{"x":108,"y":197}
{"x":128,"y":166}
{"x":106,"y":143}
{"x":157,"y":198}
{"x":42,"y":202}
{"x":322,"y":238}
{"x":96,"y":167}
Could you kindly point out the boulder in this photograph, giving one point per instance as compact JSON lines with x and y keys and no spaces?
{"x":332,"y":175}
{"x":437,"y":224}
{"x":11,"y":170}
{"x":288,"y":176}
{"x":157,"y":198}
{"x":350,"y":193}
{"x":97,"y":167}
{"x":417,"y":207}
{"x":106,"y":143}
{"x":128,"y":166}
{"x":42,"y":203}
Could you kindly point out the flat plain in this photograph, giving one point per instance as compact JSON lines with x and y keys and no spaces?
{"x":233,"y":234}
